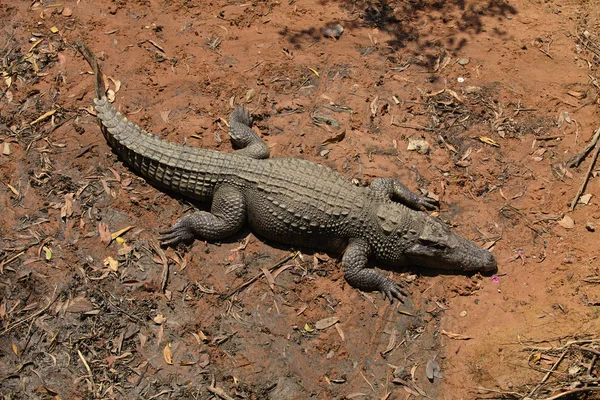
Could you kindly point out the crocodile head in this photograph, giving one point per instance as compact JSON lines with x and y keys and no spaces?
{"x":415,"y":238}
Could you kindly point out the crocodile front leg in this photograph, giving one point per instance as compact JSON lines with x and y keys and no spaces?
{"x":226,"y":217}
{"x":245,"y":138}
{"x":396,"y":191}
{"x":354,"y":263}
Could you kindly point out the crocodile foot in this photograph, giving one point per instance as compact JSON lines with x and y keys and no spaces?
{"x":180,"y":232}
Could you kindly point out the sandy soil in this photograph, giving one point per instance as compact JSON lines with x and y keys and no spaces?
{"x":504,"y":94}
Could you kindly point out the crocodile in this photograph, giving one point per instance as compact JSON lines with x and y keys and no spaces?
{"x":289,"y":200}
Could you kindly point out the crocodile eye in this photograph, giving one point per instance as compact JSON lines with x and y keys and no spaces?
{"x":433,"y":244}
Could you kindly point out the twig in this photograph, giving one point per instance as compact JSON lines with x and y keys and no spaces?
{"x":549,"y":372}
{"x":217,"y":391}
{"x":256,"y":277}
{"x":577,"y":159}
{"x":593,"y":351}
{"x":588,"y":174}
{"x":549,"y":137}
{"x":25,"y":319}
{"x":87,"y":367}
{"x":570,"y":392}
{"x":416,"y":127}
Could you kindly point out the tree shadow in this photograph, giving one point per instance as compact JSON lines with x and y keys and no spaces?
{"x":402,"y":20}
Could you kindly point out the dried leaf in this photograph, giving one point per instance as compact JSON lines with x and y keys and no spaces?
{"x":250,"y":95}
{"x":489,"y":141}
{"x":42,"y":117}
{"x":577,"y":95}
{"x":432,"y":369}
{"x":104,"y":232}
{"x":115,"y":82}
{"x":373,"y":106}
{"x":585,"y":199}
{"x":15,"y":349}
{"x":6,"y":150}
{"x":67,"y":209}
{"x":168,"y":354}
{"x":47,"y":252}
{"x":119,"y":233}
{"x":269,"y":277}
{"x":112,"y":264}
{"x":164,"y":115}
{"x":13,"y":189}
{"x":79,"y":305}
{"x":308,"y":328}
{"x":326,"y":323}
{"x":567,"y":222}
{"x":204,"y":360}
{"x":314,"y":71}
{"x":455,"y":335}
{"x":340,"y":332}
{"x":54,"y":29}
{"x":335,"y":139}
{"x":159,"y":319}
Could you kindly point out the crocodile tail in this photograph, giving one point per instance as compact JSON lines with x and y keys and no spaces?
{"x":91,"y":59}
{"x":126,"y":138}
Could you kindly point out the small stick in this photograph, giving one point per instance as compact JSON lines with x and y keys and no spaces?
{"x":570,"y":392}
{"x":256,"y":277}
{"x":25,"y":319}
{"x":549,"y":373}
{"x":587,"y":175}
{"x":577,"y":159}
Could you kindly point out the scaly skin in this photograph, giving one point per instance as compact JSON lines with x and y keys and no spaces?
{"x":291,"y":201}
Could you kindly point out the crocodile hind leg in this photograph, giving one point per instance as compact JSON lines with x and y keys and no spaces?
{"x":250,"y":145}
{"x":354,"y":263}
{"x":396,"y":191}
{"x":226,"y":217}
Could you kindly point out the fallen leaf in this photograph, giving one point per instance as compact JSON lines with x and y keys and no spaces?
{"x":54,"y":29}
{"x":159,"y":319}
{"x":168,"y":354}
{"x":314,"y":71}
{"x":42,"y":117}
{"x":585,"y":199}
{"x":577,"y":95}
{"x":104,"y":232}
{"x":204,"y":360}
{"x":308,"y":328}
{"x":455,"y":335}
{"x":489,"y":141}
{"x":250,"y":94}
{"x":79,"y":305}
{"x":112,"y":264}
{"x":340,"y":332}
{"x":567,"y":222}
{"x":432,"y":369}
{"x":67,"y":209}
{"x":119,"y":233}
{"x":326,"y":323}
{"x":48,"y":253}
{"x":13,"y":189}
{"x":335,"y":139}
{"x":164,"y":115}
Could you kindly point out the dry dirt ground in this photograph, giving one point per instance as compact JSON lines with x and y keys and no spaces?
{"x":503,"y":93}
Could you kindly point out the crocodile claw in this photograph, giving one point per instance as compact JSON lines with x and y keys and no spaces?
{"x":180,"y":232}
{"x":393,"y":290}
{"x":428,"y":203}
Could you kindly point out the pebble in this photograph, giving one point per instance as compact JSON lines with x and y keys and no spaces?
{"x":464,"y":61}
{"x":334,"y":32}
{"x":590,"y":227}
